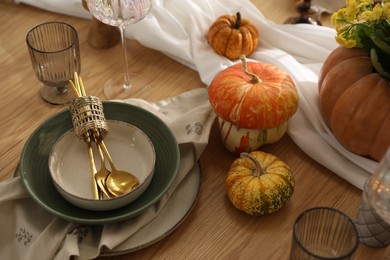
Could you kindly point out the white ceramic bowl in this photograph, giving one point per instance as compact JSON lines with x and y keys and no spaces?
{"x":131,"y":150}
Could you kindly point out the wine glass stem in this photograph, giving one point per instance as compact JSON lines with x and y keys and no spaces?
{"x":126,"y":84}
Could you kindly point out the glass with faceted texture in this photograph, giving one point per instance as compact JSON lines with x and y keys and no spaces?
{"x":55,"y":56}
{"x":378,"y":189}
{"x":373,"y":218}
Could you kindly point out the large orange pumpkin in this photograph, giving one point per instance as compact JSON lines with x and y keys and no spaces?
{"x":355,"y":102}
{"x":232,"y":36}
{"x":252,"y":96}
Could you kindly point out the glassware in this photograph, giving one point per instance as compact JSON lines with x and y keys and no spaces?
{"x":121,"y":13}
{"x":378,"y":191}
{"x":323,"y":233}
{"x":55,"y":56}
{"x":373,"y":218}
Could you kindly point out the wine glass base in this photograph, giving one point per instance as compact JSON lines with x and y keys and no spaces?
{"x":139,"y":88}
{"x":54,"y":97}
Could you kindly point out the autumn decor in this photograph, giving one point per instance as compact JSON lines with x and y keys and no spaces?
{"x":232,"y":36}
{"x":253,"y":102}
{"x":259,"y":183}
{"x":354,"y":89}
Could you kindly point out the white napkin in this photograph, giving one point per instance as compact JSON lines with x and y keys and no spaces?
{"x":29,"y":232}
{"x":178,"y":28}
{"x":181,"y":27}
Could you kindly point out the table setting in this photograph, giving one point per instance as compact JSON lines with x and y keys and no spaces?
{"x":303,"y":64}
{"x":180,"y":128}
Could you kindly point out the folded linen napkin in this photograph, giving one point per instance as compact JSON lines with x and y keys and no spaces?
{"x":29,"y":232}
{"x":178,"y":28}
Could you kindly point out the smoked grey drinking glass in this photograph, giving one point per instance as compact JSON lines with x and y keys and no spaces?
{"x":323,"y":233}
{"x":55,"y":56}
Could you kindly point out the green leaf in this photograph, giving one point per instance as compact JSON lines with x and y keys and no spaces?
{"x":381,"y":44}
{"x":377,"y":65}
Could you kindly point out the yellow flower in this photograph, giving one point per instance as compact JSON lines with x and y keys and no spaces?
{"x":337,"y":18}
{"x":376,"y":13}
{"x":386,"y":10}
{"x":365,"y":16}
{"x":352,"y":9}
{"x":360,"y":20}
{"x":347,"y":43}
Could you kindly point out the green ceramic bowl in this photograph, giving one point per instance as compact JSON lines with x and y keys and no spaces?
{"x":36,"y":175}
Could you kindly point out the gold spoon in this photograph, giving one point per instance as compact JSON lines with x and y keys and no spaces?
{"x":118,"y":182}
{"x":102,"y":174}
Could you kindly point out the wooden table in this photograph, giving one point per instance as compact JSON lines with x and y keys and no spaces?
{"x":214,"y":229}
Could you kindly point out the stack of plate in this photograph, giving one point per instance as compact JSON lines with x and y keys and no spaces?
{"x":35,"y":172}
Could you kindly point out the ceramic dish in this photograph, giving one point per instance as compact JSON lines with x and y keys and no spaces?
{"x":171,"y":216}
{"x":131,"y":150}
{"x":36,"y":176}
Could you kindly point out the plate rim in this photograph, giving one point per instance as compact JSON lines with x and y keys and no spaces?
{"x":111,"y":124}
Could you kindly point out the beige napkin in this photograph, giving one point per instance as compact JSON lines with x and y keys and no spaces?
{"x":29,"y":232}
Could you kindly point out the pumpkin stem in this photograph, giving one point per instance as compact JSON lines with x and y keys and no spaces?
{"x":254,"y":78}
{"x":238,"y":21}
{"x":258,"y":171}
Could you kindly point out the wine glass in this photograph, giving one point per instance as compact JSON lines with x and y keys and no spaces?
{"x":121,"y":13}
{"x":373,"y":217}
{"x":55,"y":56}
{"x":378,"y":190}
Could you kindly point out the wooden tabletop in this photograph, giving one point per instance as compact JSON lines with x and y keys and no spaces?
{"x":214,"y":229}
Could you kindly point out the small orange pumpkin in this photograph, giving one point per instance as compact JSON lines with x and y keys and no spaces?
{"x":232,"y":36}
{"x":259,"y":183}
{"x":355,"y":102}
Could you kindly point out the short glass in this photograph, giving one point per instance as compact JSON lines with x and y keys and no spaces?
{"x":55,"y":56}
{"x":323,"y":233}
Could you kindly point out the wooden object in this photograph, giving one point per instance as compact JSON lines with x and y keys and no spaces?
{"x":100,"y":35}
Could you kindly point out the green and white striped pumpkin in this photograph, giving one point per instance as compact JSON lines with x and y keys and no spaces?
{"x":238,"y":139}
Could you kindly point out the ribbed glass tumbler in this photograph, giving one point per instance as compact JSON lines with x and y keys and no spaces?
{"x":323,"y":233}
{"x":55,"y":57}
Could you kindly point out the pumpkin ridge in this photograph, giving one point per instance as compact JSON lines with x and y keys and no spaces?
{"x":374,"y":131}
{"x":283,"y":180}
{"x":221,"y":45}
{"x":340,"y":53}
{"x":376,"y":135}
{"x":379,"y":148}
{"x":235,"y":114}
{"x":247,"y":43}
{"x":234,"y":44}
{"x":329,"y":95}
{"x":357,"y":114}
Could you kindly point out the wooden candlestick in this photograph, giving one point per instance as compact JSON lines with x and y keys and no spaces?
{"x":305,"y":10}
